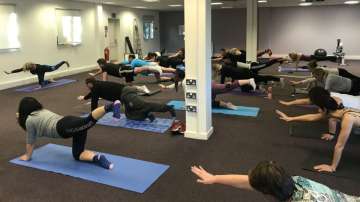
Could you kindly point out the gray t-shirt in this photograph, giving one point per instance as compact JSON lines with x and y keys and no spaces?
{"x":41,"y":123}
{"x":334,"y":83}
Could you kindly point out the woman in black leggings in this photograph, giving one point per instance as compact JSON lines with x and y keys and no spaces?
{"x":39,"y":122}
{"x":236,"y":73}
{"x":39,"y":70}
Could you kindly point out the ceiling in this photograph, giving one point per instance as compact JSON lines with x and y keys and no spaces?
{"x":164,"y":4}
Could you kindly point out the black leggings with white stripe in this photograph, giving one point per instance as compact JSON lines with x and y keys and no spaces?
{"x":75,"y":127}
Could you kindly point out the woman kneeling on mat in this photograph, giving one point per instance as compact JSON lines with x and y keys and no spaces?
{"x":39,"y":122}
{"x":39,"y":70}
{"x":275,"y":183}
{"x":330,"y":107}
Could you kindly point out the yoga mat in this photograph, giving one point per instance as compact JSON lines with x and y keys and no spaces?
{"x":241,"y":111}
{"x":159,"y":125}
{"x":293,"y":69}
{"x":254,"y":93}
{"x":129,"y":174}
{"x":33,"y":88}
{"x":348,"y":168}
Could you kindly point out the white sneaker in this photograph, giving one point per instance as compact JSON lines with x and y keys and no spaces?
{"x":252,"y":83}
{"x":144,"y":89}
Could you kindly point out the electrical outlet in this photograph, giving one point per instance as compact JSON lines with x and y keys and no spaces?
{"x":190,"y":95}
{"x":191,"y":108}
{"x":190,"y":82}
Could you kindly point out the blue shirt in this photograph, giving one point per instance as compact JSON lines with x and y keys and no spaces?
{"x":138,"y":63}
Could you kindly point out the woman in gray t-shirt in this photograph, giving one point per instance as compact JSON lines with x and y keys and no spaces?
{"x":39,"y":122}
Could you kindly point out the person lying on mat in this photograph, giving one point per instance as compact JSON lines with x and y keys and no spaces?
{"x":39,"y":122}
{"x":116,"y":70}
{"x":243,"y":73}
{"x":39,"y":70}
{"x":330,"y":107}
{"x":297,"y":57}
{"x":173,"y":60}
{"x":234,"y":55}
{"x":135,"y":107}
{"x":275,"y":184}
{"x":336,"y":71}
{"x":217,"y":89}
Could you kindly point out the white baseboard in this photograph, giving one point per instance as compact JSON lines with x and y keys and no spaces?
{"x":199,"y":136}
{"x":33,"y":79}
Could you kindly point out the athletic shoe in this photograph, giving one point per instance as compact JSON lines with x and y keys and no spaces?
{"x":144,"y":89}
{"x":103,"y":162}
{"x":151,"y":117}
{"x":253,"y":84}
{"x":116,"y":111}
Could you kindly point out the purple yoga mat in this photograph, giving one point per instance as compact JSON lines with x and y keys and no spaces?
{"x":293,"y":69}
{"x":33,"y":88}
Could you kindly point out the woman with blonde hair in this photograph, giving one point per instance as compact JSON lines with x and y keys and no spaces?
{"x":39,"y":70}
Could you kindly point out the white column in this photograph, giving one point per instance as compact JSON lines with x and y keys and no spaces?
{"x":198,"y":67}
{"x":251,"y":30}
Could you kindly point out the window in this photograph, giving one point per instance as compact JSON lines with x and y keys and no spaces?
{"x":148,"y":27}
{"x":9,"y":38}
{"x":69,"y":27}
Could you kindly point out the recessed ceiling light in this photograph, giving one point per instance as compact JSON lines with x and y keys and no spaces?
{"x":109,"y":2}
{"x":140,"y":7}
{"x":262,"y":1}
{"x":151,"y":1}
{"x":227,"y":7}
{"x":351,"y":2}
{"x":305,"y":4}
{"x":217,"y":3}
{"x":175,"y":5}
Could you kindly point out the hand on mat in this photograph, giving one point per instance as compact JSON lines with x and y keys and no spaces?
{"x":327,"y":137}
{"x":283,"y":116}
{"x":284,"y":103}
{"x":24,"y":158}
{"x":81,"y":97}
{"x":205,"y":177}
{"x":324,"y":168}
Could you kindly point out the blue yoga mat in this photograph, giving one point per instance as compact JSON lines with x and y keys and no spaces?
{"x":293,"y":69}
{"x":33,"y":88}
{"x":129,"y":174}
{"x":159,"y":125}
{"x":241,"y":111}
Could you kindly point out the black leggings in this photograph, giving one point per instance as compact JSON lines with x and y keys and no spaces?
{"x":346,"y":74}
{"x":256,"y":67}
{"x":42,"y":69}
{"x":138,"y":109}
{"x":242,"y":73}
{"x":75,"y":127}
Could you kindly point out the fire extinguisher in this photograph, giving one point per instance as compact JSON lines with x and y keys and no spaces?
{"x":107,"y":54}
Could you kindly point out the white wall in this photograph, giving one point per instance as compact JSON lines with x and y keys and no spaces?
{"x":38,"y":32}
{"x":284,"y":29}
{"x":306,"y":29}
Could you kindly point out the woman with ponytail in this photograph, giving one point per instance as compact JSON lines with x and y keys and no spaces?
{"x":333,"y":109}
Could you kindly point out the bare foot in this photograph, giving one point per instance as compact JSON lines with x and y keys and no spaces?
{"x":269,"y":93}
{"x":231,"y":106}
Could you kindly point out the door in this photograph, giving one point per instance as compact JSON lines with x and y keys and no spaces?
{"x":113,"y":36}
